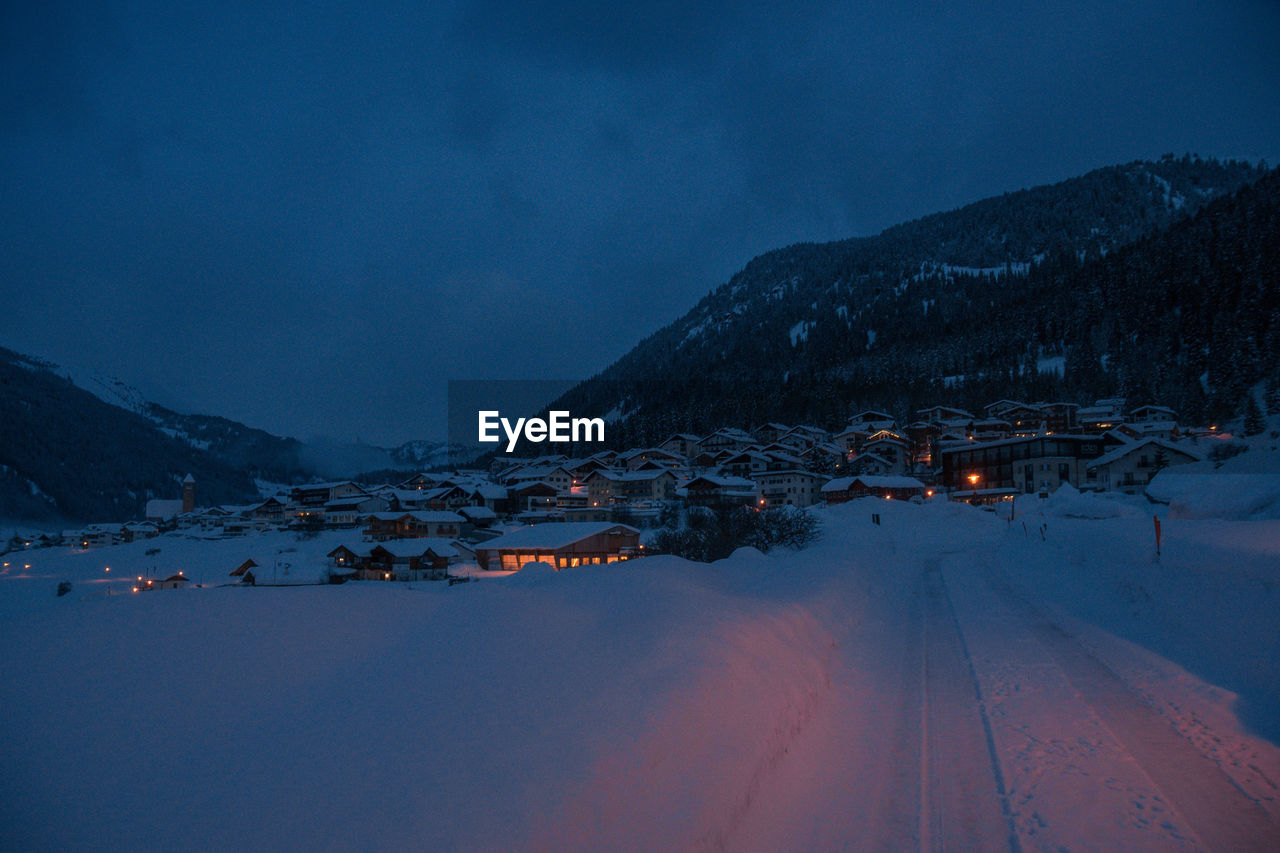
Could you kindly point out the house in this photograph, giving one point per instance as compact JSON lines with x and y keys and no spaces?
{"x":896,"y":488}
{"x":604,"y":485}
{"x":891,"y":447}
{"x":943,"y":414}
{"x":1152,"y":414}
{"x":311,"y":498}
{"x":1130,"y":467}
{"x":790,"y":487}
{"x":532,"y":496}
{"x":562,"y":544}
{"x":351,"y":558}
{"x":245,"y":573}
{"x":634,"y":459}
{"x":409,"y":560}
{"x":381,"y":526}
{"x":745,"y":464}
{"x":872,"y":421}
{"x":720,"y":492}
{"x":176,"y":581}
{"x":726,"y":439}
{"x":478,"y":516}
{"x":770,"y":432}
{"x":648,"y":485}
{"x":272,"y":511}
{"x":350,"y":509}
{"x":873,"y":463}
{"x":135,"y":530}
{"x":1023,"y":464}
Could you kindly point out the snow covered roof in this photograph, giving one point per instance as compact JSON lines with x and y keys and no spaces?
{"x":889,"y":482}
{"x":478,"y":513}
{"x":724,"y":482}
{"x":1125,"y":449}
{"x":552,"y":535}
{"x":161,"y":508}
{"x":422,"y":515}
{"x":417,"y":547}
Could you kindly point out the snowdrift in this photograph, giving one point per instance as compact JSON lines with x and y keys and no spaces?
{"x":1216,"y":495}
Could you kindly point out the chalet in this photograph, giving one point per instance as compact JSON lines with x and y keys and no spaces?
{"x":793,"y":487}
{"x":890,"y":446}
{"x":421,"y":482}
{"x":1152,"y":414}
{"x":1103,"y":415}
{"x":873,"y":463}
{"x":244,"y":571}
{"x":562,"y":545}
{"x":896,"y":488}
{"x":135,"y":530}
{"x":720,"y":492}
{"x":745,"y":464}
{"x":409,"y":560}
{"x":943,"y":415}
{"x":491,"y":496}
{"x":419,"y":524}
{"x":872,"y":421}
{"x":532,"y":496}
{"x":604,"y":485}
{"x":315,"y":495}
{"x":1149,"y":429}
{"x":801,"y":437}
{"x":648,"y":485}
{"x":850,"y":439}
{"x":635,"y":458}
{"x":726,"y":439}
{"x":272,"y":511}
{"x":349,"y":510}
{"x":478,"y":516}
{"x":770,"y":432}
{"x":350,"y":558}
{"x":823,"y":456}
{"x":1130,"y":467}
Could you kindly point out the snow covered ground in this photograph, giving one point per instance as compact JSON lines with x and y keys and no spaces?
{"x":947,"y":678}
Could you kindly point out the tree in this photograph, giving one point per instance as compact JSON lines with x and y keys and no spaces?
{"x":1272,"y":395}
{"x":1254,"y":422}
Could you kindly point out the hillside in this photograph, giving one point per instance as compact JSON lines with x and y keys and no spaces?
{"x":65,"y":454}
{"x":1042,"y":293}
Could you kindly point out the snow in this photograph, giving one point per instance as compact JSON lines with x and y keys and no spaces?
{"x":1200,"y":493}
{"x":553,"y":535}
{"x":1056,"y":364}
{"x":799,"y":333}
{"x":946,"y":678}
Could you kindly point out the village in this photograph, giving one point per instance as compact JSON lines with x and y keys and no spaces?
{"x":572,"y":512}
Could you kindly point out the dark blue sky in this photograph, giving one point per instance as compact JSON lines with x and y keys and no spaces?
{"x":309,"y":216}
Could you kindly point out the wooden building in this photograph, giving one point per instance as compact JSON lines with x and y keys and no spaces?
{"x":561,"y":544}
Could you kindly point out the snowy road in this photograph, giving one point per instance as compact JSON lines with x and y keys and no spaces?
{"x":965,"y":716}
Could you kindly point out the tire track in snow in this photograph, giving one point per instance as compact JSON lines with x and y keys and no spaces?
{"x":1222,"y":816}
{"x":963,"y":801}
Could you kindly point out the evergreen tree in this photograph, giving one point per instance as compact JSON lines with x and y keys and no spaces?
{"x":1254,"y":423}
{"x":1273,"y":395}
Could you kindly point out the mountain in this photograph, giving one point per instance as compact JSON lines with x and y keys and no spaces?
{"x":66,"y":455}
{"x":1150,"y":279}
{"x":78,"y":446}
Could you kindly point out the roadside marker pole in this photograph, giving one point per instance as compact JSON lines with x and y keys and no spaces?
{"x":1156,"y":519}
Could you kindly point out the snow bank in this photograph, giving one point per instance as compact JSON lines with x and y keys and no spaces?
{"x":1068,"y":502}
{"x":1217,"y":495}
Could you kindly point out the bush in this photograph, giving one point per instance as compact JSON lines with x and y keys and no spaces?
{"x":712,"y":535}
